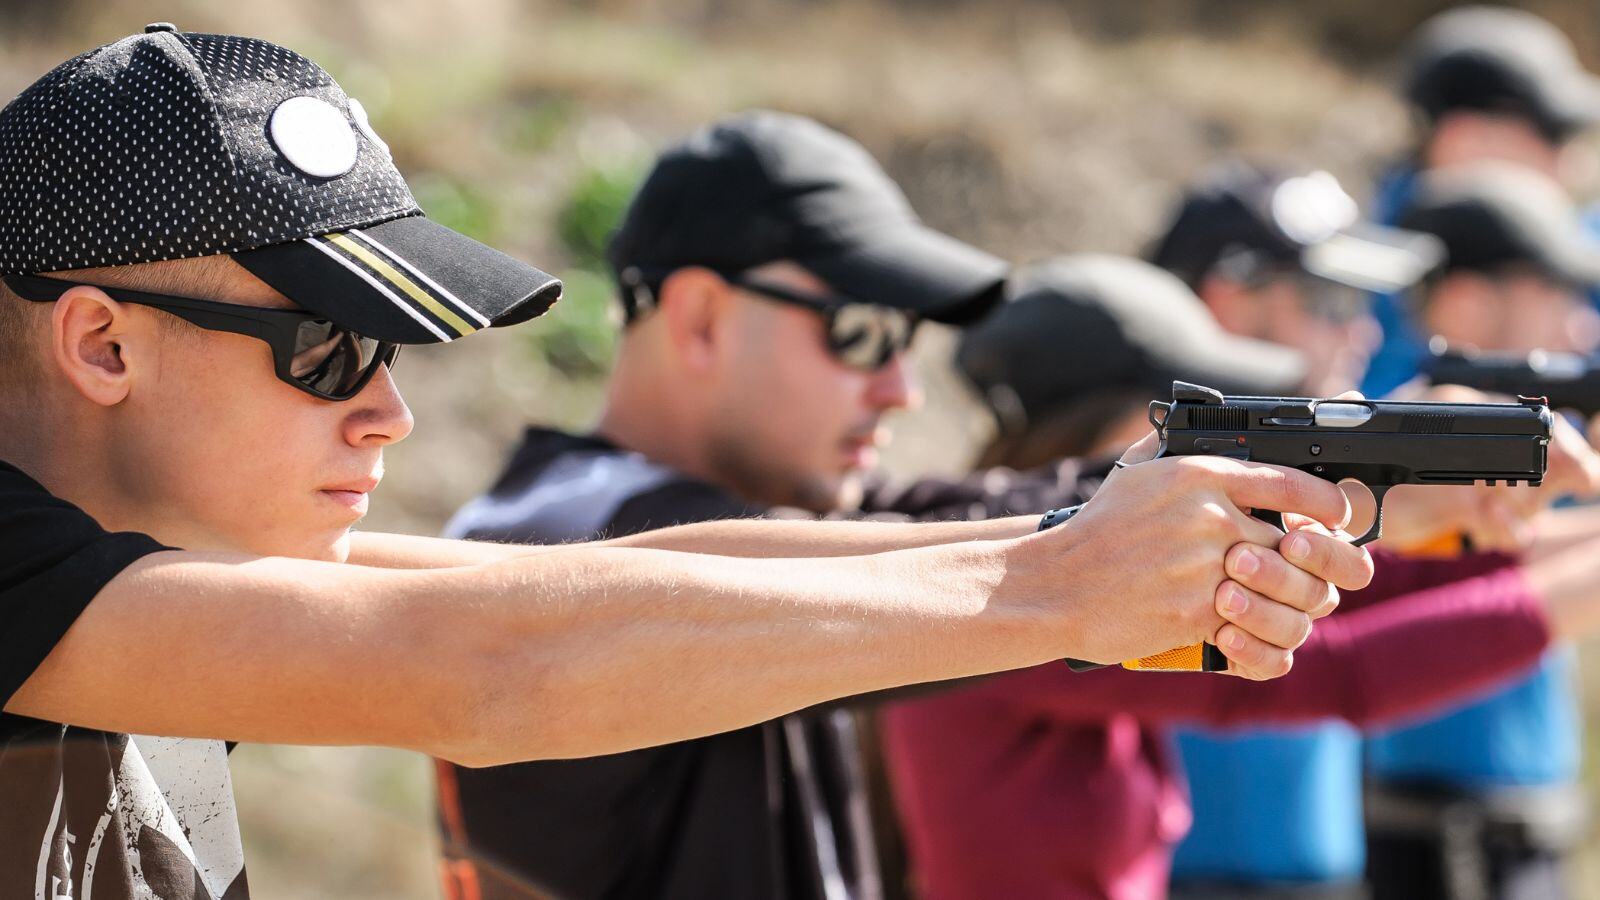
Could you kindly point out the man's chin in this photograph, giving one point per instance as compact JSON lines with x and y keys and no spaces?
{"x":332,"y":547}
{"x":823,"y":495}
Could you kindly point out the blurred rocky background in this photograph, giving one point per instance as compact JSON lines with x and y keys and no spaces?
{"x":1030,"y":127}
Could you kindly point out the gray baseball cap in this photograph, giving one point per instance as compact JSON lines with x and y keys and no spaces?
{"x":1490,"y":215}
{"x":1074,"y":325}
{"x":1501,"y":60}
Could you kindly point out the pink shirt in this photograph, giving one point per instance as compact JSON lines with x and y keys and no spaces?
{"x":1050,"y":784}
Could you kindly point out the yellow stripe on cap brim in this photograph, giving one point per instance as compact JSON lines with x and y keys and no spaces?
{"x":399,"y":280}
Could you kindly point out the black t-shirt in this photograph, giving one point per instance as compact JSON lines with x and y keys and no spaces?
{"x":778,"y":810}
{"x":87,"y":813}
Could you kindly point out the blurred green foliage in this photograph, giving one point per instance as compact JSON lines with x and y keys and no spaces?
{"x":578,"y":337}
{"x":458,"y":204}
{"x":592,"y":210}
{"x":533,"y":126}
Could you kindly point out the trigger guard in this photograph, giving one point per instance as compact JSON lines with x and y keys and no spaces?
{"x":1376,"y":531}
{"x":1271,"y":517}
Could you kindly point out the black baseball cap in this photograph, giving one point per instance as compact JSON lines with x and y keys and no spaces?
{"x":1492,"y":215}
{"x":1242,"y":219}
{"x":1503,"y":60}
{"x":171,"y":145}
{"x":1078,"y":324}
{"x":764,"y":186}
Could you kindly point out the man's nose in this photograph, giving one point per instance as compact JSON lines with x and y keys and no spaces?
{"x":895,"y":386}
{"x":379,"y":415}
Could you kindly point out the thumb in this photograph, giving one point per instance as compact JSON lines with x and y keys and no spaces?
{"x":1144,"y":451}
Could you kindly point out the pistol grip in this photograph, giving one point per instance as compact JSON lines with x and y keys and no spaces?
{"x":1195,"y":658}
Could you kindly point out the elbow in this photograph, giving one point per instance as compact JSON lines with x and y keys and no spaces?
{"x":493,"y":708}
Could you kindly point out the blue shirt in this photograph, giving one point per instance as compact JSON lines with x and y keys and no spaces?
{"x":1527,"y":733}
{"x":1273,"y":806}
{"x":1399,"y":356}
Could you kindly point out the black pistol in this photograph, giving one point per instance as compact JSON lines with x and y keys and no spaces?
{"x":1380,"y":443}
{"x":1565,"y":380}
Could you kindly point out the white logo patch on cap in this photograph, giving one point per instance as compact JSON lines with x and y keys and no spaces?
{"x":359,"y":113}
{"x":314,"y":136}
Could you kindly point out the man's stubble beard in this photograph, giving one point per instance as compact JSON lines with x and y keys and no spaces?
{"x":739,"y":467}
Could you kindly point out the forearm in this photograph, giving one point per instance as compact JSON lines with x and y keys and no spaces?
{"x":1408,"y":656}
{"x":727,"y":537}
{"x":688,"y":646}
{"x":1369,"y":666}
{"x":579,"y":651}
{"x":1556,"y":530}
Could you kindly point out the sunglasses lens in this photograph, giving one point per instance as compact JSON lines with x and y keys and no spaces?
{"x":335,"y":361}
{"x":864,"y":336}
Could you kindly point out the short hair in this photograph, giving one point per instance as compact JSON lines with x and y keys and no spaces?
{"x":204,"y":278}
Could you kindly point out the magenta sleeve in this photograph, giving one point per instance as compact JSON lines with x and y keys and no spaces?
{"x":1407,"y":656}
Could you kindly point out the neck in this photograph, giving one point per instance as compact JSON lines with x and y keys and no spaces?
{"x":649,"y":416}
{"x":69,"y":458}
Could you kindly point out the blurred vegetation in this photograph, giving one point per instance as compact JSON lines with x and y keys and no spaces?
{"x":580,"y":336}
{"x":1029,"y":127}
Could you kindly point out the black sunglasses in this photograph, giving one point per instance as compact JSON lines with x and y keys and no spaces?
{"x":309,"y":352}
{"x":864,"y":336}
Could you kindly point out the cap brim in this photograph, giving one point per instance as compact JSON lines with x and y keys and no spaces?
{"x":1239,"y":366}
{"x":1574,"y":104}
{"x":915,"y":268}
{"x":1374,"y":257}
{"x":1575,"y":260}
{"x":408,"y":280}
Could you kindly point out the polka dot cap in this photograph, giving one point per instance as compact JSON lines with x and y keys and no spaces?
{"x":161,"y":146}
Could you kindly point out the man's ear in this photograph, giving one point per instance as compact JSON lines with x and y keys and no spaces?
{"x":89,"y":337}
{"x":691,"y":304}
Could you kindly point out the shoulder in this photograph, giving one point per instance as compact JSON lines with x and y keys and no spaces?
{"x":54,"y":559}
{"x":559,"y":488}
{"x":39,"y":529}
{"x":678,"y":500}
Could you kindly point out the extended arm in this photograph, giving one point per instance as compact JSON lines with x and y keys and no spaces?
{"x":728,"y":537}
{"x":1370,"y":666}
{"x":587,"y":650}
{"x":575,"y":652}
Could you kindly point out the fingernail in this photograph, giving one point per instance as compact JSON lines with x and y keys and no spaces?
{"x":1235,"y":602}
{"x":1234,"y":640}
{"x":1247,"y":563}
{"x":1297,"y":547}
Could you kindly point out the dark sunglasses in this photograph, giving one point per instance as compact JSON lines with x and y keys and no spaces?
{"x":863,"y":336}
{"x":309,"y":352}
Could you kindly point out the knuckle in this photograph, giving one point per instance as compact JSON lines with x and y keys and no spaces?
{"x":1302,"y":624}
{"x":1291,"y":490}
{"x":1191,"y":472}
{"x":1314,"y":596}
{"x":1282,"y":662}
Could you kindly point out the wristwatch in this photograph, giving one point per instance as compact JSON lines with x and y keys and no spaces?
{"x":1056,"y":516}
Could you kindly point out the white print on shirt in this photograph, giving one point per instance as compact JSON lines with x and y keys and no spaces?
{"x":166,"y":828}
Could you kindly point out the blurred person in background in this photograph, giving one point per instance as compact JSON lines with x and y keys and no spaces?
{"x":1486,"y":798}
{"x":771,"y":278}
{"x":1485,"y":84}
{"x":1283,"y":257}
{"x":1295,"y":799}
{"x":1047,"y":783}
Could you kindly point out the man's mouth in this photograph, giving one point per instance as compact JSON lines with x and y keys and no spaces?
{"x":352,"y":494}
{"x":861,"y":446}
